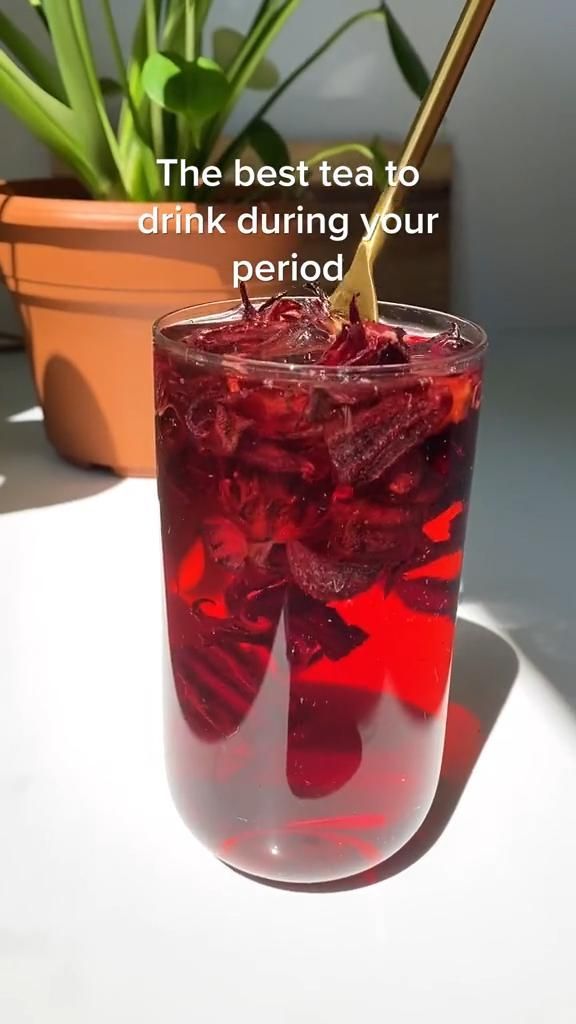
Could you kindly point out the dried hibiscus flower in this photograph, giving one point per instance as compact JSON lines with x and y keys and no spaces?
{"x":366,"y":344}
{"x":363,"y":446}
{"x":314,"y":631}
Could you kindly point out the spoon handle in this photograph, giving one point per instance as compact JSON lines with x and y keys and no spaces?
{"x":432,"y":109}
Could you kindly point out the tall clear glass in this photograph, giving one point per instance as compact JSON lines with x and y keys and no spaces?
{"x":313,"y":522}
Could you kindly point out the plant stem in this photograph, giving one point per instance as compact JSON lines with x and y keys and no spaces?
{"x":115,"y":44}
{"x":344,"y":147}
{"x":121,"y":66}
{"x":262,"y":10}
{"x":85,"y":56}
{"x":267,"y":22}
{"x":190,"y":30}
{"x":319,"y":52}
{"x":156,"y":119}
{"x":254,"y":47}
{"x":192,"y":23}
{"x":203,"y":10}
{"x":242,"y":138}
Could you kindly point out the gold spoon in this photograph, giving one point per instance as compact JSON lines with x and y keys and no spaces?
{"x":359,"y":281}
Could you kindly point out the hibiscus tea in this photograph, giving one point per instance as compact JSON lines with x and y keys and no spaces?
{"x":314,"y":475}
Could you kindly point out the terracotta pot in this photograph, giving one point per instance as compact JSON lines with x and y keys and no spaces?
{"x":88,"y":286}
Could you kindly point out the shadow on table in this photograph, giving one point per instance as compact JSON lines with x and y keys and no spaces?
{"x":551,"y":647}
{"x":485,"y":667}
{"x":521,"y":528}
{"x":34,"y":475}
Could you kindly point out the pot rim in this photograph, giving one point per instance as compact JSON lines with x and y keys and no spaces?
{"x":23,"y":205}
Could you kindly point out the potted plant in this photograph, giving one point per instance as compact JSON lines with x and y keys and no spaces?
{"x":87,"y":283}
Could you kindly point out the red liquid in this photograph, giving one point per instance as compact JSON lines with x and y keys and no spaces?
{"x":313,"y":546}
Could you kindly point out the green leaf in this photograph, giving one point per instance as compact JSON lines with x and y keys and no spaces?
{"x":70,"y":58}
{"x":412,"y":68}
{"x":227,"y":43}
{"x":52,"y":122}
{"x":268,"y":144}
{"x":135,"y":129}
{"x":66,"y":19}
{"x":198,"y":88}
{"x":135,"y":157}
{"x":31,"y":58}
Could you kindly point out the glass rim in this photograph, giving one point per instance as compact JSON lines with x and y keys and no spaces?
{"x":448,"y":363}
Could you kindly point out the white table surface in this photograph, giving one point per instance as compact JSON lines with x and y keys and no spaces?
{"x":110,"y":911}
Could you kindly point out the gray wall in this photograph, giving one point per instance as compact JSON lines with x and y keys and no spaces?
{"x":512,"y":125}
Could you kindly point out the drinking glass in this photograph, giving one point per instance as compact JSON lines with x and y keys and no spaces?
{"x":313,"y":523}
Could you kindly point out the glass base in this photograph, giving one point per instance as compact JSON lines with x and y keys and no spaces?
{"x":313,"y":856}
